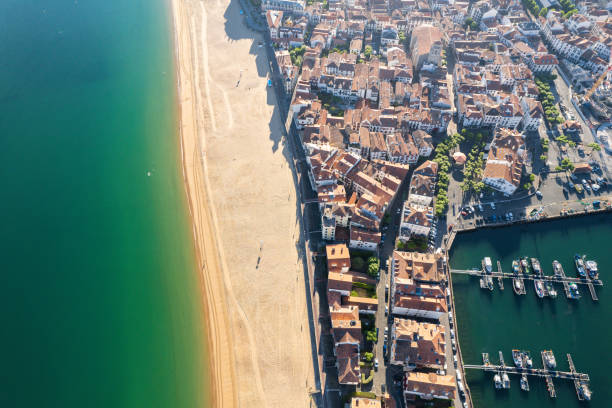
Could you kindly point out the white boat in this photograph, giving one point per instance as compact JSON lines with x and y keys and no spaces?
{"x":557,"y":268}
{"x":497,"y":380}
{"x":549,"y":359}
{"x":586,"y":392}
{"x":591,"y":267}
{"x":537,"y":268}
{"x":539,"y":287}
{"x":487,"y":264}
{"x":527,"y":359}
{"x":506,"y":381}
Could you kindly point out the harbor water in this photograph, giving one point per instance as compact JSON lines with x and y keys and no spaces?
{"x":99,"y":292}
{"x":500,"y":320}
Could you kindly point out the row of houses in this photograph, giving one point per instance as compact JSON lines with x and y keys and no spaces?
{"x":418,"y":342}
{"x":579,"y":39}
{"x":417,"y":211}
{"x":499,"y":90}
{"x":345,"y":309}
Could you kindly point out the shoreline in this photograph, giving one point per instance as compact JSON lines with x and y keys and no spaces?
{"x":220,"y":356}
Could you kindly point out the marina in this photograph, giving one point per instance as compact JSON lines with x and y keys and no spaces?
{"x":543,"y":284}
{"x":548,"y":372}
{"x":507,"y":321}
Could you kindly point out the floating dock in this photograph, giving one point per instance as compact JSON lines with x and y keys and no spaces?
{"x":581,"y":381}
{"x":565,"y":283}
{"x":486,"y":280}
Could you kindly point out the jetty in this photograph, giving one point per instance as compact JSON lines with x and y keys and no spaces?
{"x":589,"y":283}
{"x":486,"y":280}
{"x":561,"y":274}
{"x":545,"y":278}
{"x":500,"y":281}
{"x":581,"y":380}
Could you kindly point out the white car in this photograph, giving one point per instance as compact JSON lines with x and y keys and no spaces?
{"x":376,"y":363}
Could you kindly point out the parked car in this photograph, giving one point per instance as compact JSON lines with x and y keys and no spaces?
{"x":539,"y":194}
{"x":376,"y":364}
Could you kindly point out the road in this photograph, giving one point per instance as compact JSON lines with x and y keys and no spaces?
{"x":565,"y":95}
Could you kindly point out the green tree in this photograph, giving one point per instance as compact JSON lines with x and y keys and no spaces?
{"x":358,"y":263}
{"x":368,"y":51}
{"x":543,"y":12}
{"x":372,"y":260}
{"x":368,"y":356}
{"x":595,"y":146}
{"x":371,"y":335}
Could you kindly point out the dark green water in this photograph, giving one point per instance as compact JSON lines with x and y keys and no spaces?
{"x":489,"y":322}
{"x":99,"y":299}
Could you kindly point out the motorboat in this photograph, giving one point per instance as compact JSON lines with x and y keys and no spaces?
{"x":497,"y":380}
{"x":580,"y":266}
{"x":487,"y":265}
{"x":489,"y":282}
{"x":517,"y":356}
{"x":585,"y":391}
{"x":537,"y":268}
{"x":515,"y":267}
{"x":524,"y":383}
{"x":574,"y":293}
{"x":591,"y":267}
{"x":527,"y":359}
{"x":539,"y":287}
{"x":485,"y":359}
{"x":557,"y":268}
{"x":549,"y":359}
{"x":506,"y":381}
{"x":552,"y":292}
{"x":525,"y":266}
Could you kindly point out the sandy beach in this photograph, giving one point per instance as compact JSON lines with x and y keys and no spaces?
{"x":242,"y":201}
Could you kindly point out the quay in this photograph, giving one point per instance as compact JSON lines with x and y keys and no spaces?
{"x":580,"y":380}
{"x":565,"y":280}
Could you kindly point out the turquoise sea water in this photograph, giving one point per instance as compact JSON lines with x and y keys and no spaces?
{"x":489,"y":322}
{"x":99,"y":297}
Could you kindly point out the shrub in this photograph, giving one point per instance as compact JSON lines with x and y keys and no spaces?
{"x":595,"y":146}
{"x":373,"y":269}
{"x":368,"y":356}
{"x":364,"y":285}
